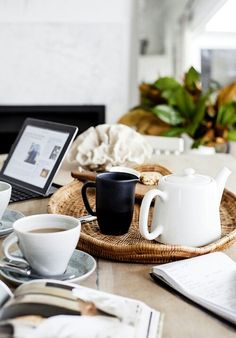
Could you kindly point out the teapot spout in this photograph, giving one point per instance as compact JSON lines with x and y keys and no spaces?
{"x":221,"y":179}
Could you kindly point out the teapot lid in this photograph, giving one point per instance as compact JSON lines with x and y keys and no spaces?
{"x":188,"y":176}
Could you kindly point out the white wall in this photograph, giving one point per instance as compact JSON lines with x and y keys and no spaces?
{"x":69,"y":52}
{"x":151,"y":67}
{"x":158,"y":20}
{"x":152,"y":25}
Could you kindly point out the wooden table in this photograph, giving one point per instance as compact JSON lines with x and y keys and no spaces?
{"x":182,"y":318}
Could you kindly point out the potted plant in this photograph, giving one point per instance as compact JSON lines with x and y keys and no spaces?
{"x":170,"y":108}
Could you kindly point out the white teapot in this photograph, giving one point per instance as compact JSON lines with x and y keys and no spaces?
{"x":187,"y":210}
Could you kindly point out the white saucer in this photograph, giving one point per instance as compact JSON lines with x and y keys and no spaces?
{"x":8,"y":218}
{"x":81,"y":265}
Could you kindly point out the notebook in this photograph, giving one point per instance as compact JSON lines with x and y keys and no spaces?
{"x":208,"y":280}
{"x":35,"y":158}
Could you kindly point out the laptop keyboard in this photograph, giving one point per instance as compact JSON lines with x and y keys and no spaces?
{"x":19,"y":194}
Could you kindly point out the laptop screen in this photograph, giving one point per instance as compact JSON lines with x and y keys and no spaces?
{"x":37,"y":154}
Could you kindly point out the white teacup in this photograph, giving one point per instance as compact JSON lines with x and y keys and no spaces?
{"x":5,"y":195}
{"x":47,"y":242}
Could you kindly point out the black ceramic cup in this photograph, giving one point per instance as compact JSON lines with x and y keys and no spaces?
{"x":115,"y":196}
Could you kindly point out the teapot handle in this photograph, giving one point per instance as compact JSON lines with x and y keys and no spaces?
{"x":144,"y":212}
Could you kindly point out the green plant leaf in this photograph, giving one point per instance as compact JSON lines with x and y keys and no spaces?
{"x":192,"y":78}
{"x":169,"y":95}
{"x":167,"y":83}
{"x":184,"y":102}
{"x":232,"y":135}
{"x":174,"y":131}
{"x":220,"y":114}
{"x":168,"y":114}
{"x":199,"y":114}
{"x":227,"y":114}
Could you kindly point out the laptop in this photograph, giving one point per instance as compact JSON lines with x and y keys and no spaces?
{"x":35,"y":158}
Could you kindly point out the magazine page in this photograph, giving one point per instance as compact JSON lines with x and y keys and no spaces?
{"x":208,"y":280}
{"x":42,"y":299}
{"x":96,"y":314}
{"x":141,"y":319}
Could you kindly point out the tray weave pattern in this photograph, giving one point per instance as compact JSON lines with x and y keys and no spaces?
{"x":140,"y":189}
{"x":132,"y":247}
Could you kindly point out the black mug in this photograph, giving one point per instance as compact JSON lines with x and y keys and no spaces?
{"x":115,"y":196}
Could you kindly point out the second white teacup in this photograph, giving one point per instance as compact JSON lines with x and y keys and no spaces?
{"x":47,"y":242}
{"x":5,"y":195}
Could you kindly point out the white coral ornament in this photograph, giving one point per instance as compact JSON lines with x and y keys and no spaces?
{"x":107,"y":145}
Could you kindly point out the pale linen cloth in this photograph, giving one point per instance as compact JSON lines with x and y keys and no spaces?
{"x":108,"y":145}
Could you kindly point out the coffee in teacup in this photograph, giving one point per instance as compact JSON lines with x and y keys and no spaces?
{"x":47,"y":242}
{"x":46,"y":230}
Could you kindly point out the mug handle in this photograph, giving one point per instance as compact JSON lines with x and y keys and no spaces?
{"x":144,"y":211}
{"x":87,"y":185}
{"x":6,"y":244}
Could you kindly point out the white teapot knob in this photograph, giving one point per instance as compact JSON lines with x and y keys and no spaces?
{"x":189,"y":172}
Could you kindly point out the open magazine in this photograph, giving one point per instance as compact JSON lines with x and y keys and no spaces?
{"x":208,"y":280}
{"x":48,"y":308}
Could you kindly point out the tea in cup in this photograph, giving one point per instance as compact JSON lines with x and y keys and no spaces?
{"x":47,"y":242}
{"x":5,"y":195}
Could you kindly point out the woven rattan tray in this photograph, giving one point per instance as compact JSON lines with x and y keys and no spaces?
{"x":140,"y":189}
{"x":131,"y":247}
